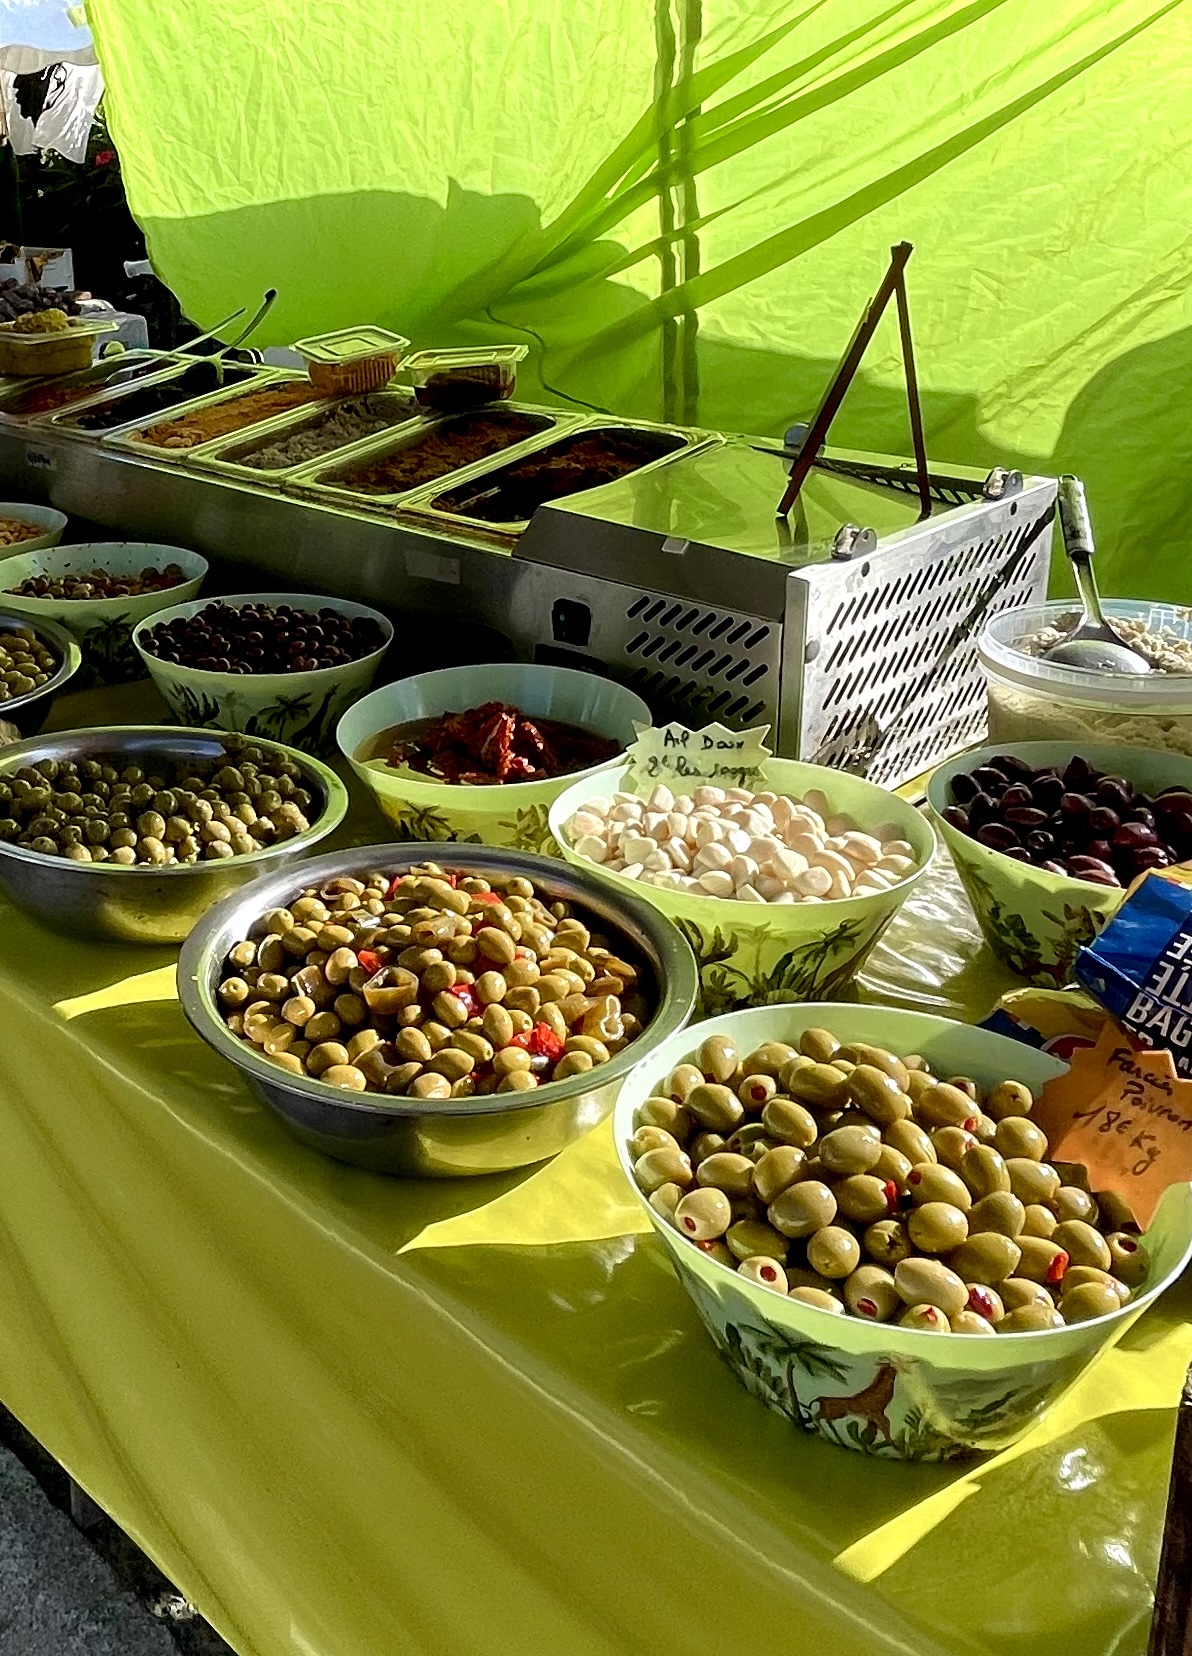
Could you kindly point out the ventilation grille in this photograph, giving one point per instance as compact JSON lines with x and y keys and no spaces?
{"x":687,"y":661}
{"x":896,"y":685}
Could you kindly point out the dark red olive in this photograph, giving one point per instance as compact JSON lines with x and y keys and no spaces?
{"x":1134,"y":835}
{"x":1150,"y":856}
{"x":964,"y":788}
{"x":957,"y":817}
{"x":981,"y":809}
{"x":997,"y":836}
{"x":1077,"y":773}
{"x":1011,"y":765}
{"x":1053,"y":867}
{"x":1139,"y":813}
{"x":1018,"y":853}
{"x":1102,"y":820}
{"x":1085,"y":868}
{"x":1025,"y":816}
{"x":1076,"y":805}
{"x":1047,"y":791}
{"x":1040,"y":843}
{"x":1099,"y":848}
{"x":1179,"y":827}
{"x":1017,"y":794}
{"x":991,"y":780}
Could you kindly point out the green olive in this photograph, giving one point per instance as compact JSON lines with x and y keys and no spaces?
{"x":681,"y":1080}
{"x":1073,"y":1203}
{"x":833,"y":1251}
{"x":646,"y":1138}
{"x":878,"y":1095}
{"x":944,"y":1105}
{"x":1082,"y":1244}
{"x":714,"y":1105}
{"x":930,"y":1182}
{"x":665,"y":1200}
{"x":703,"y":1214}
{"x":928,"y":1319}
{"x":1042,"y":1260}
{"x":790,"y":1123}
{"x":1030,"y":1319}
{"x":766,"y":1273}
{"x":1079,"y":1276}
{"x":1116,"y":1214}
{"x":1130,"y":1261}
{"x":892,"y":1167}
{"x":769,"y":1059}
{"x":1000,"y":1211}
{"x":952,"y":1145}
{"x":863,"y":1197}
{"x":910,"y":1140}
{"x":1009,"y":1098}
{"x":983,"y":1170}
{"x":776,"y":1171}
{"x":988,"y":1258}
{"x":887,"y":1243}
{"x":874,"y":1057}
{"x":819,"y":1085}
{"x":655,"y":1111}
{"x":850,"y":1150}
{"x":928,"y":1282}
{"x":718,"y":1058}
{"x":756,"y":1091}
{"x":819,"y":1044}
{"x":802,"y":1208}
{"x":937,"y":1227}
{"x":870,"y":1292}
{"x":748,"y":1238}
{"x":659,"y":1167}
{"x":1039,"y":1220}
{"x":1018,"y":1291}
{"x":1088,"y":1300}
{"x":1032,"y":1181}
{"x":969,"y":1322}
{"x":727,"y":1172}
{"x":1016,"y":1136}
{"x":819,"y":1298}
{"x":704,"y":1145}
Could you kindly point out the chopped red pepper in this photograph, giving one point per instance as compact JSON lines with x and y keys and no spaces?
{"x":486,"y":897}
{"x":892,"y":1194}
{"x":465,"y":993}
{"x":1057,"y":1270}
{"x":370,"y":960}
{"x":540,"y":1042}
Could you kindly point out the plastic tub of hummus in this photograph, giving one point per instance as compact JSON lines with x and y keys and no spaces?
{"x":1035,"y":700}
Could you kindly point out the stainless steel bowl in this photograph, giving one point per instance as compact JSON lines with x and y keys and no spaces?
{"x":414,"y":1136}
{"x":29,"y":712}
{"x":143,"y":904}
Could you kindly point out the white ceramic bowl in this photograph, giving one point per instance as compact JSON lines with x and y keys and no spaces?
{"x":300,"y":709}
{"x":511,"y":813}
{"x":878,"y":1387}
{"x":103,"y":626}
{"x":52,"y":525}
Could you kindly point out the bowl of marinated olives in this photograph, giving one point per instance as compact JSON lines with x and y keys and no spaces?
{"x":1047,"y":838}
{"x":99,"y":591}
{"x":37,"y":661}
{"x":130,"y":834}
{"x":782,"y":888}
{"x":27,"y":528}
{"x":479,"y":754}
{"x":281,"y":665}
{"x":865,"y":1214}
{"x":436,"y":1019}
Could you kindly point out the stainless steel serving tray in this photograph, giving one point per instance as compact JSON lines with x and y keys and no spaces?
{"x":320,"y":479}
{"x":65,"y":423}
{"x":225,"y":455}
{"x":420,"y":502}
{"x":98,"y":379}
{"x":130,"y":438}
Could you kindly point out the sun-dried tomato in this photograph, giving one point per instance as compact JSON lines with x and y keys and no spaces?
{"x":465,"y":993}
{"x":540,"y":1042}
{"x":498,"y":743}
{"x":370,"y":960}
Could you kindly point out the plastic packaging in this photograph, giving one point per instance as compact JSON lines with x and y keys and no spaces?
{"x":352,"y":359}
{"x":464,"y":377}
{"x":1035,"y":700}
{"x":61,"y":352}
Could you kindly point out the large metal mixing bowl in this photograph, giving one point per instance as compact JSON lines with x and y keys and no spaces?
{"x":143,"y":904}
{"x":421,"y":1137}
{"x":29,"y":712}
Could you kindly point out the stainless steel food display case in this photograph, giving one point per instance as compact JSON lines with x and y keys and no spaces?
{"x":849,"y":629}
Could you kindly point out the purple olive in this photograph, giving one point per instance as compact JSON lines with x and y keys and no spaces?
{"x":1133,"y":836}
{"x":1018,"y":794}
{"x":1139,"y":813}
{"x":1103,"y":821}
{"x":1017,"y":852}
{"x":1076,"y":805}
{"x":1053,"y":867}
{"x":981,"y":809}
{"x":1025,"y":816}
{"x":991,"y":780}
{"x":1150,"y":856}
{"x":1077,"y":773}
{"x":1011,"y":765}
{"x":1047,"y":791}
{"x":997,"y":836}
{"x":1099,"y":848}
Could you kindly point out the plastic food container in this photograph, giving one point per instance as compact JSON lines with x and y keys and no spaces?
{"x":1035,"y":700}
{"x":1035,"y":921}
{"x":897,"y":1393}
{"x":751,"y":954}
{"x":447,"y":380}
{"x":511,"y":813}
{"x":63,"y":352}
{"x":352,"y":359}
{"x":102,"y":626}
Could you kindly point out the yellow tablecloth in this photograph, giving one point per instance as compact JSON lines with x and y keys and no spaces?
{"x":353,"y":1416}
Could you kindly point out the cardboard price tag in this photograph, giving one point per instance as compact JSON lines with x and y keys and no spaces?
{"x":683,"y":758}
{"x":1126,"y":1115}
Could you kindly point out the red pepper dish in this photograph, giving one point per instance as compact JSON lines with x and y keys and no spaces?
{"x":496,"y":743}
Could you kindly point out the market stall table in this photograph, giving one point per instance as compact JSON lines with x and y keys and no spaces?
{"x":351,"y":1415}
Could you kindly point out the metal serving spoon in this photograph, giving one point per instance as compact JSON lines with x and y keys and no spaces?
{"x":1092,"y":644}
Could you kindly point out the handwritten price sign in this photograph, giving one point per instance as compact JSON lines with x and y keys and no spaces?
{"x":1126,"y":1115}
{"x":683,"y":758}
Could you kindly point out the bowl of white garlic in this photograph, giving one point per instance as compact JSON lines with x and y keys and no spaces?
{"x":781,"y":889}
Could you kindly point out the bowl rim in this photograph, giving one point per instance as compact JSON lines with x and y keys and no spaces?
{"x":204,"y":1016}
{"x":483,"y":794}
{"x":68,"y":648}
{"x":299,"y":600}
{"x":742,"y":913}
{"x":65,"y":606}
{"x":20,"y":508}
{"x":972,"y":758}
{"x":758,"y":1296}
{"x":327,"y":822}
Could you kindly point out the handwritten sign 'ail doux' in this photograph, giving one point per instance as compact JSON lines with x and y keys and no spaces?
{"x":1126,"y":1115}
{"x":715,"y":755}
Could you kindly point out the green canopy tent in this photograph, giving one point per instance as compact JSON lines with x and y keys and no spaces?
{"x":681,"y":206}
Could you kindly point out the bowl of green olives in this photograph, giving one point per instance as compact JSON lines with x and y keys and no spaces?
{"x":37,"y":661}
{"x":130,"y":834}
{"x":864,"y":1212}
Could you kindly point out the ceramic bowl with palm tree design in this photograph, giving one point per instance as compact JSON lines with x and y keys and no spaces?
{"x":102,"y":626}
{"x":1035,"y":921}
{"x":515,"y":814}
{"x":752,"y":953}
{"x":299,"y":709}
{"x":880,"y":1388}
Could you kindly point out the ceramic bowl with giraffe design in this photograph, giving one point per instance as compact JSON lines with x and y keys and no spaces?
{"x":878,"y":1387}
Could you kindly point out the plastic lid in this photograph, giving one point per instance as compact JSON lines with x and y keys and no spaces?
{"x":351,"y":345}
{"x":464,"y":356}
{"x":75,"y":327}
{"x":1000,"y":655}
